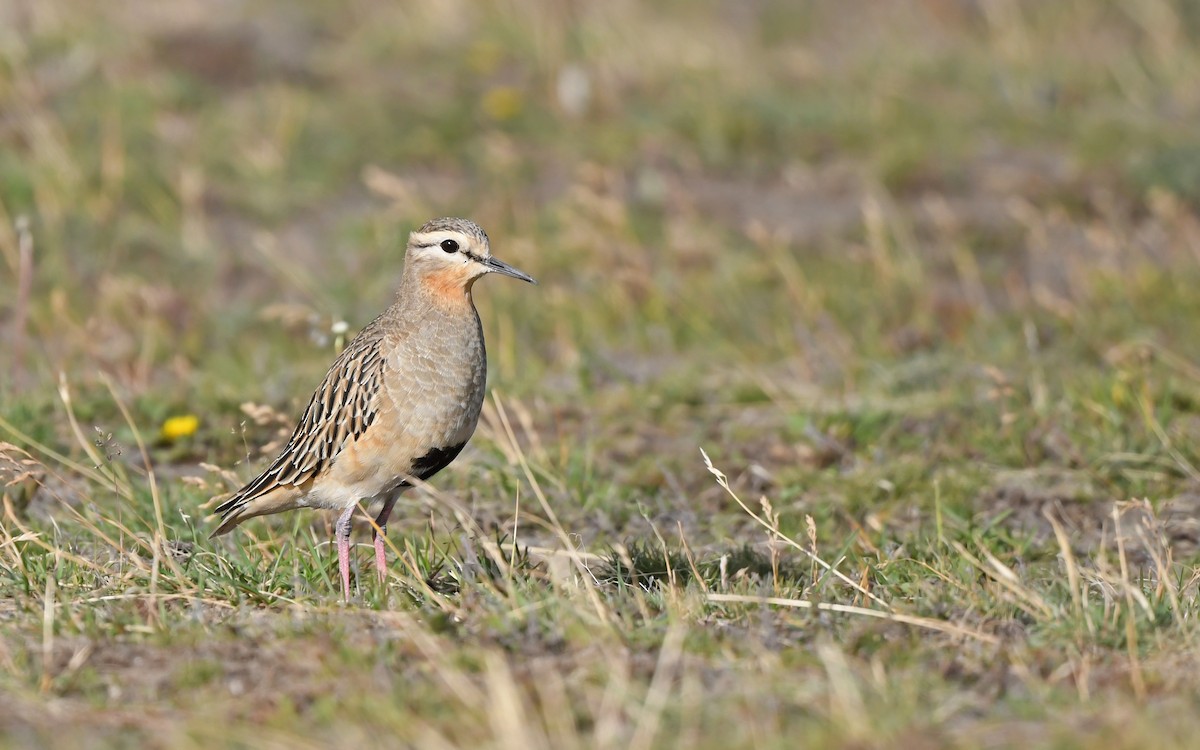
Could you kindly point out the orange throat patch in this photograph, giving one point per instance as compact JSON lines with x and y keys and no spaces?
{"x":450,"y":287}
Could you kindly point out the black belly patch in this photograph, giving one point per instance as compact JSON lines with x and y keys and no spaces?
{"x":433,"y":462}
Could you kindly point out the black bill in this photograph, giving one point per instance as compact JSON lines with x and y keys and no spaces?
{"x":500,"y":266}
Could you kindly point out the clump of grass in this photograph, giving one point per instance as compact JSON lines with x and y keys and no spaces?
{"x":446,"y":568}
{"x":651,"y":565}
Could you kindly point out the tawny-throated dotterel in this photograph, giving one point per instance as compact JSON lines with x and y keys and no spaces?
{"x":399,"y":402}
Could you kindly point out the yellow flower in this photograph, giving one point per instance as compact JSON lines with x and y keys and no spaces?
{"x":180,"y":427}
{"x":502,"y":103}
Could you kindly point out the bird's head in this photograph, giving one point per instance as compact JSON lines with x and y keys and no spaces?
{"x":446,"y":256}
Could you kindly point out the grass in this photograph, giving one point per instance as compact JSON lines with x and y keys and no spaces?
{"x":858,"y":404}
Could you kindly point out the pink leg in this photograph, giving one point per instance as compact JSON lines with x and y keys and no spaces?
{"x":380,"y":558}
{"x":381,"y":521}
{"x":342,"y":531}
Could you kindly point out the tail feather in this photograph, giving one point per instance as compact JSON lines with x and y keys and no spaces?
{"x":228,"y":521}
{"x":241,"y":508}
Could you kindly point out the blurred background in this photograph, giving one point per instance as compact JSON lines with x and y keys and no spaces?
{"x":203,"y":180}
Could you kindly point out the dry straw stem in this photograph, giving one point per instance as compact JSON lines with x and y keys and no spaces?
{"x":922,"y":622}
{"x":20,"y":318}
{"x":1157,"y":428}
{"x":927,"y":623}
{"x":1068,"y":558}
{"x":160,"y":527}
{"x":503,"y":554}
{"x":774,"y":530}
{"x":104,"y":468}
{"x":405,"y":556}
{"x":1131,"y":643}
{"x":506,"y":708}
{"x":845,"y":698}
{"x":295,"y":275}
{"x":434,"y":650}
{"x":86,"y":472}
{"x":467,"y":521}
{"x":83,"y":521}
{"x":1025,"y":598}
{"x":1161,"y":554}
{"x":659,"y":691}
{"x":514,"y":449}
{"x":1139,"y":347}
{"x":36,"y":538}
{"x":125,"y":489}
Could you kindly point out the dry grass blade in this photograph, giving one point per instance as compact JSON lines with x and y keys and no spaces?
{"x":660,"y":685}
{"x":1168,"y":445}
{"x":601,"y":610}
{"x":105,"y":469}
{"x":36,"y":538}
{"x":1068,"y":559}
{"x":774,"y":530}
{"x":845,"y":697}
{"x":1025,"y":598}
{"x":927,"y":623}
{"x":74,"y":467}
{"x":20,"y":315}
{"x":506,"y":708}
{"x":1131,"y":640}
{"x":155,"y":498}
{"x":460,"y":684}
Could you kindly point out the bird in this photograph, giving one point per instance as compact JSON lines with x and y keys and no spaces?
{"x":398,"y":404}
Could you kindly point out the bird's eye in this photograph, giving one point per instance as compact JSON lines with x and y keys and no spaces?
{"x":450,"y":246}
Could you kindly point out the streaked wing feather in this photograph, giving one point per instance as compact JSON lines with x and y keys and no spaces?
{"x":339,"y":412}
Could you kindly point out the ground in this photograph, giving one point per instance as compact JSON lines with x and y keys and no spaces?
{"x":858,"y":404}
